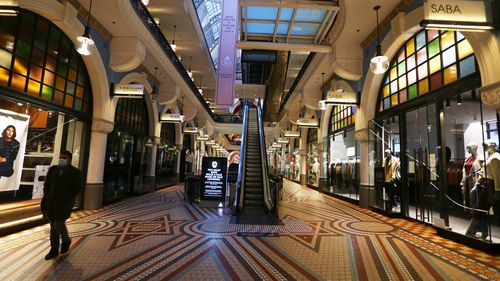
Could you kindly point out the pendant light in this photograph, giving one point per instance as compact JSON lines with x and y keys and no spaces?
{"x":84,"y":41}
{"x":379,"y":63}
{"x":145,"y":2}
{"x":190,"y":73}
{"x":173,"y":46}
{"x":201,"y":88}
{"x":154,"y":91}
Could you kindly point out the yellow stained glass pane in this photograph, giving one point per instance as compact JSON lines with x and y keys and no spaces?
{"x":60,"y":83}
{"x":402,"y":82}
{"x":423,"y":87}
{"x":410,"y":47}
{"x":450,"y":74}
{"x":394,"y":73}
{"x":20,"y":66}
{"x":386,"y":91}
{"x":394,"y":100}
{"x":447,"y":39}
{"x":435,"y":64}
{"x":464,"y":49}
{"x":33,"y":87}
{"x":4,"y":76}
{"x":68,"y":101}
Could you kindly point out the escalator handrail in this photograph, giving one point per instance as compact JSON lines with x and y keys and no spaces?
{"x":268,"y":202}
{"x":239,"y":202}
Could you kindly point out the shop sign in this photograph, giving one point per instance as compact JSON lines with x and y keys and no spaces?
{"x":127,"y":90}
{"x":214,"y":178}
{"x":309,"y":123}
{"x":190,"y":130}
{"x":292,"y":134}
{"x":283,"y":140}
{"x":341,"y":97}
{"x":171,"y":118}
{"x":455,"y":15}
{"x":202,"y":138}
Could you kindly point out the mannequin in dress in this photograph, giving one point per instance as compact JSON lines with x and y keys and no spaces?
{"x":488,"y":190}
{"x":392,"y":177}
{"x":472,"y":165}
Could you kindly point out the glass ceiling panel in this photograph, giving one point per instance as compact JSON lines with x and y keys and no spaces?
{"x":304,"y":30}
{"x":261,"y":13}
{"x":209,"y":12}
{"x":260,"y":28}
{"x":286,"y":14}
{"x":282,"y":29}
{"x":309,"y":15}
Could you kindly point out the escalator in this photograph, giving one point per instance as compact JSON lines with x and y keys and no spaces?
{"x":255,"y":200}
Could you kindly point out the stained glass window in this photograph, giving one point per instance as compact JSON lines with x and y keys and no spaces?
{"x":34,"y":59}
{"x":342,"y":117}
{"x":428,"y":61}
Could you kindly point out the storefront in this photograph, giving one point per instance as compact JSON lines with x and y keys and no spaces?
{"x":343,"y":158}
{"x":312,"y":161}
{"x":128,"y":152}
{"x":426,"y":142}
{"x":292,"y":162}
{"x":46,"y":101}
{"x":166,"y":158}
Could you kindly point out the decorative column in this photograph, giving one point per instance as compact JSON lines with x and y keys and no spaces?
{"x":490,"y":96}
{"x":322,"y":176}
{"x":365,"y":186}
{"x":303,"y":156}
{"x":178,"y":161}
{"x":94,"y":187}
{"x":154,"y":152}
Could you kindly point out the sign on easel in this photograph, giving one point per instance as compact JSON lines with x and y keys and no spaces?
{"x":213,"y":176}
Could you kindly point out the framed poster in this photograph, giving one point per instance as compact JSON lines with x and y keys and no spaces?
{"x":13,"y":138}
{"x":213,"y":176}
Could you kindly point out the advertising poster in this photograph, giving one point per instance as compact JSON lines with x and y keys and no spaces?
{"x":214,"y":178}
{"x":40,"y":173}
{"x":14,"y":133}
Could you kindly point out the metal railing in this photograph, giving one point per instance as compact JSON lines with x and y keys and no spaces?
{"x":263,"y":156}
{"x":239,"y":202}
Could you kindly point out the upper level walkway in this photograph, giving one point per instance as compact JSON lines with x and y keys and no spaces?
{"x":158,"y":236}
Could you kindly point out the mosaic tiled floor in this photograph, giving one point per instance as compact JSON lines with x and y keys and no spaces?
{"x":159,"y":237}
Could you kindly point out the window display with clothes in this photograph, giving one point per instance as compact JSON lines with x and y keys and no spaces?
{"x":392,"y":178}
{"x":486,"y":189}
{"x":471,"y":167}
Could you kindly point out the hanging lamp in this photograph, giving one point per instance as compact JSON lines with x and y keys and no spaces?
{"x":84,"y":41}
{"x":379,"y":63}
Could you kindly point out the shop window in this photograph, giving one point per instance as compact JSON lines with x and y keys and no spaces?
{"x":445,"y":56}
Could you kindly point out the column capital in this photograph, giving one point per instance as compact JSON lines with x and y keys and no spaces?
{"x":490,"y":95}
{"x":361,"y":135}
{"x":156,"y":140}
{"x":102,"y":125}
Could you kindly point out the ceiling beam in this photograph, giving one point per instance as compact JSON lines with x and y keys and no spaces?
{"x":251,"y":45}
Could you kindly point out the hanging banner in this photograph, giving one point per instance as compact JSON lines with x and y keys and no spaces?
{"x":14,"y":130}
{"x":226,"y":67}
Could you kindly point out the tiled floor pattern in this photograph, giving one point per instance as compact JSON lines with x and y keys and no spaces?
{"x":158,"y":237}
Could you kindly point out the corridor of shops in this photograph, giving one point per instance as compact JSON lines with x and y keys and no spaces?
{"x":250,"y":139}
{"x":160,"y":236}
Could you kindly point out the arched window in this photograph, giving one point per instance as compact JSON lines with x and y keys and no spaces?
{"x":342,"y":116}
{"x":428,"y":61}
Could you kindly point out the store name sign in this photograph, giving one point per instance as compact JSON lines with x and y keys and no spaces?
{"x":171,"y":118}
{"x":190,"y":130}
{"x":127,"y":90}
{"x":454,"y":10}
{"x":310,"y":123}
{"x":341,"y":97}
{"x":292,"y":134}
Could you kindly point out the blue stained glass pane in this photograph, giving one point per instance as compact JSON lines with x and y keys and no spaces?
{"x":459,"y":36}
{"x":262,"y":13}
{"x":300,"y":29}
{"x":467,"y":66}
{"x":286,"y":14}
{"x":394,"y":86}
{"x":420,"y":40}
{"x":449,"y":57}
{"x":387,"y":103}
{"x":386,"y":79}
{"x":309,"y":15}
{"x":260,"y":28}
{"x":282,"y":29}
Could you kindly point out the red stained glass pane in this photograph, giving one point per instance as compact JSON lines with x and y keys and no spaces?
{"x":436,"y":80}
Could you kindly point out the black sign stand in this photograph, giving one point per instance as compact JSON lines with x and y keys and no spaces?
{"x":214,"y":178}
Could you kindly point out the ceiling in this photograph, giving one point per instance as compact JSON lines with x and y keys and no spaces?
{"x":271,"y":24}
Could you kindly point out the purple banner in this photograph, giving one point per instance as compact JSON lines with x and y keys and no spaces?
{"x":227,"y":53}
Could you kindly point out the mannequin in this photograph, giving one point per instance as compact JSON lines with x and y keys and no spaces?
{"x":392,"y":177}
{"x":488,"y":190}
{"x":315,"y":170}
{"x":471,"y":166}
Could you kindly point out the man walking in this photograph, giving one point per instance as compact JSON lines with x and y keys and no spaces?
{"x":62,"y":183}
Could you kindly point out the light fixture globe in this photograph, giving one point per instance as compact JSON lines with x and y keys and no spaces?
{"x":84,"y":43}
{"x":379,"y":63}
{"x":145,"y":2}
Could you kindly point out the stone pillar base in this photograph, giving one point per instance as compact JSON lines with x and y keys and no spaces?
{"x":303,"y":179}
{"x":93,"y":196}
{"x":323,"y":184}
{"x":364,"y":195}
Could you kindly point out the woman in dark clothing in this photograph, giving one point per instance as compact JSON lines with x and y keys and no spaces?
{"x":9,"y":147}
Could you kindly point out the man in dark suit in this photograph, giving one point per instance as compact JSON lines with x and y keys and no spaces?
{"x":62,"y":183}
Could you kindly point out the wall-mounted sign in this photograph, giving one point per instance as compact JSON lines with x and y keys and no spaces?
{"x":202,"y":138}
{"x":309,"y":123}
{"x":455,"y":15}
{"x":342,"y":97}
{"x":171,"y":118}
{"x":190,"y":130}
{"x":283,"y":140}
{"x":214,"y":178}
{"x":292,"y":134}
{"x":127,"y":90}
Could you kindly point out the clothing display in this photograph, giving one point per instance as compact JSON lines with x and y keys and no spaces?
{"x":345,"y":174}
